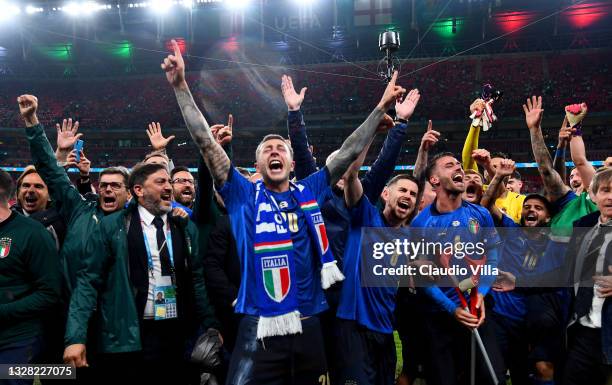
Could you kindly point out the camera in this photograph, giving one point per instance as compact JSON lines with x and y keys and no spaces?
{"x":389,"y":40}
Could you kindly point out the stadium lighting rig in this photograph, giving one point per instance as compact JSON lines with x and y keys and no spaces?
{"x":9,"y":10}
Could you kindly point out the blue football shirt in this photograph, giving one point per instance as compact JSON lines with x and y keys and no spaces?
{"x":239,"y":196}
{"x":469,"y":223}
{"x":371,"y":307}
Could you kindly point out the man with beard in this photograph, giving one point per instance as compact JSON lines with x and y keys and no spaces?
{"x":523,"y":255}
{"x":183,"y":186}
{"x":134,"y":254}
{"x":450,"y":219}
{"x":575,"y":181}
{"x":281,"y":240}
{"x":365,"y":347}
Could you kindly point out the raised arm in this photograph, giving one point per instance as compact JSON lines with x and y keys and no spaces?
{"x":565,"y":135}
{"x":430,"y":138}
{"x":215,"y":158}
{"x":60,"y":188}
{"x":496,"y":188}
{"x":296,"y":129}
{"x":353,"y":188}
{"x":375,"y":180}
{"x":357,"y":141}
{"x":553,"y":184}
{"x":579,"y":157}
{"x":156,"y":137}
{"x":471,"y":140}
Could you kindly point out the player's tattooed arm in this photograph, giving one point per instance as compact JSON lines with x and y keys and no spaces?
{"x":214,"y":156}
{"x":553,"y":184}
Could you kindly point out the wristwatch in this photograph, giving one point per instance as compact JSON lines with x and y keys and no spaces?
{"x":400,"y":120}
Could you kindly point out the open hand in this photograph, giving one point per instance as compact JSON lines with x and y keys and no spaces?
{"x":293,"y":100}
{"x":154,"y":132}
{"x":67,"y":135}
{"x":533,"y":112}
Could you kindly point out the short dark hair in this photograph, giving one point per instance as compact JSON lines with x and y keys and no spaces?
{"x":7,"y":186}
{"x":119,"y":170}
{"x":516,"y":175}
{"x":399,"y":177}
{"x":499,"y":154}
{"x":270,"y":137}
{"x":542,"y":199}
{"x":141,"y":172}
{"x":178,"y":169}
{"x":431,"y":165}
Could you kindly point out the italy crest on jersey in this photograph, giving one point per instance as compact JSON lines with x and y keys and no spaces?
{"x":5,"y":247}
{"x":276,"y":276}
{"x":473,"y":226}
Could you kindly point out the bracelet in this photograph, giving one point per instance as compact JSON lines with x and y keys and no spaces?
{"x":401,"y":120}
{"x":578,"y":128}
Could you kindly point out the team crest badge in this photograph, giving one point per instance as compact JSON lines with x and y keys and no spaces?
{"x":276,"y":277}
{"x":5,"y":247}
{"x":473,"y":226}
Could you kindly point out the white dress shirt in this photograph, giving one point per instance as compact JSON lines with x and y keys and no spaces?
{"x":150,"y":232}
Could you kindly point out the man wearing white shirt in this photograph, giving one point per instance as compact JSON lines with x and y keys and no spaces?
{"x":589,"y":359}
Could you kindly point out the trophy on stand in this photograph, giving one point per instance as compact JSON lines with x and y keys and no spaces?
{"x":484,"y":116}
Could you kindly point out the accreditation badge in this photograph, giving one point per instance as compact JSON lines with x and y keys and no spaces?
{"x":165,"y":298}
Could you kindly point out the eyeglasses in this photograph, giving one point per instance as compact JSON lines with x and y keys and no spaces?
{"x":115,"y":186}
{"x":183,"y":181}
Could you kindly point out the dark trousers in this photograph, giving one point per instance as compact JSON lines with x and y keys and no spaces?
{"x":514,"y":347}
{"x":448,"y":355}
{"x":584,"y":364}
{"x":162,"y":359}
{"x":293,"y":359}
{"x":409,"y":321}
{"x":546,"y":322}
{"x":363,"y":357}
{"x":22,"y":352}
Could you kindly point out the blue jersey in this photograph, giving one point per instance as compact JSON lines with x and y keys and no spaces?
{"x":519,"y":256}
{"x":468,"y":224}
{"x":371,"y":307}
{"x":239,"y":196}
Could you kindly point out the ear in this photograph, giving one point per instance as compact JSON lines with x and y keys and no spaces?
{"x":434,"y":181}
{"x":257,"y":168}
{"x":385,"y":194}
{"x":139,"y":191}
{"x":292,"y":165}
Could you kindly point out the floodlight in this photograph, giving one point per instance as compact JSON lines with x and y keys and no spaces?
{"x":237,"y":4}
{"x":8,"y":10}
{"x":160,"y":6}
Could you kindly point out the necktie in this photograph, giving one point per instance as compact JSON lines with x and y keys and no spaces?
{"x":162,"y":246}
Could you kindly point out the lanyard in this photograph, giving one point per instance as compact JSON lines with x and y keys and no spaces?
{"x":167,"y":243}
